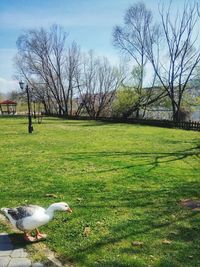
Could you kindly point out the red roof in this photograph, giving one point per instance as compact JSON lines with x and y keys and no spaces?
{"x":8,"y":102}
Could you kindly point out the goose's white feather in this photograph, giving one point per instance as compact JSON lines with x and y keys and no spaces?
{"x":27,"y":218}
{"x":39,"y":218}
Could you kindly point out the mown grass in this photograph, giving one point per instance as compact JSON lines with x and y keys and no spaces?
{"x":125,"y":182}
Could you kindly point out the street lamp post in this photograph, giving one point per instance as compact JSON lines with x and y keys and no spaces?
{"x":30,"y":127}
{"x":34,"y":108}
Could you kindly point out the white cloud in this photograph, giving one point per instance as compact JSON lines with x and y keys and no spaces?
{"x":7,"y":86}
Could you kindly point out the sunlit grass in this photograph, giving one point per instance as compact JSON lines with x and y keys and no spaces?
{"x":122,"y":181}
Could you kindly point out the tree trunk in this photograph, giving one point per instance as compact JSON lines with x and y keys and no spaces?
{"x":137,"y":113}
{"x":176,"y":112}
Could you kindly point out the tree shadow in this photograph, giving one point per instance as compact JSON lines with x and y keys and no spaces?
{"x":155,"y":159}
{"x":154,"y":221}
{"x":87,"y":123}
{"x":112,"y":263}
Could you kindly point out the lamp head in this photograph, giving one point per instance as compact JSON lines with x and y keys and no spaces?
{"x":21,"y":84}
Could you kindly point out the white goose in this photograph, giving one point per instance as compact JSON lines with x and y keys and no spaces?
{"x":30,"y":217}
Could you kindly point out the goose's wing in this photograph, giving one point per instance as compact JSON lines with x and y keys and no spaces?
{"x":22,"y":212}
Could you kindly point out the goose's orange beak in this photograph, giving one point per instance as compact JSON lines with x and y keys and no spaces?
{"x":69,"y":210}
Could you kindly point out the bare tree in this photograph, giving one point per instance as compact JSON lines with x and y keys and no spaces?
{"x":176,"y":69}
{"x":99,"y":83}
{"x":41,"y":94}
{"x":41,"y":56}
{"x":132,"y":39}
{"x":73,"y":64}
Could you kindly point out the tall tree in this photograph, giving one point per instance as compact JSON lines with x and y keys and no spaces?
{"x":73,"y":64}
{"x":132,"y":39}
{"x":180,"y":43}
{"x":99,"y":83}
{"x":41,"y":56}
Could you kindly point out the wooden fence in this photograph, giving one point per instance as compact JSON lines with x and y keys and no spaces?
{"x":186,"y":125}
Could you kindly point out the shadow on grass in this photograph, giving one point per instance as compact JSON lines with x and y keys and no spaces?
{"x":78,"y":123}
{"x":158,"y":157}
{"x":188,"y":236}
{"x":163,"y":219}
{"x":90,"y":124}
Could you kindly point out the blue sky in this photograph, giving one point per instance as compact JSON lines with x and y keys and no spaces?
{"x":88,"y":22}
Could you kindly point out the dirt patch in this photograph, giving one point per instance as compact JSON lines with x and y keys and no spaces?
{"x":193,"y":204}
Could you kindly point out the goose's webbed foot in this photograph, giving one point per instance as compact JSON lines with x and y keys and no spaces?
{"x":29,"y":237}
{"x":40,"y":236}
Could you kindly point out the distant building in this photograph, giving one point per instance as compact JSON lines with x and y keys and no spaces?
{"x":8,"y":107}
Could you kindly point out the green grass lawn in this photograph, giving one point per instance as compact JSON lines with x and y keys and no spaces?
{"x":123,"y":181}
